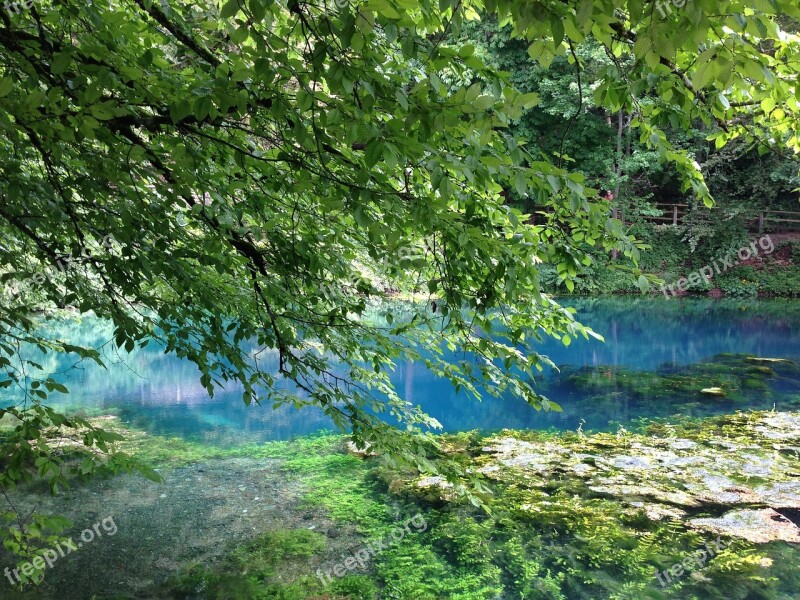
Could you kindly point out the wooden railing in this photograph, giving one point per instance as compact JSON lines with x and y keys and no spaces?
{"x":765,"y":217}
{"x":671,"y":213}
{"x":675,"y":214}
{"x":774,"y":220}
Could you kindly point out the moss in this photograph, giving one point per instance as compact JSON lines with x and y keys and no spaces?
{"x":415,"y":570}
{"x":274,"y":546}
{"x":538,"y":538}
{"x":250,"y":570}
{"x":552,"y":539}
{"x":355,"y":586}
{"x":727,"y":375}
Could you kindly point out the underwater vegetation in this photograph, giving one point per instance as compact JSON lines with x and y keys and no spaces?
{"x":677,"y":507}
{"x":570,"y":516}
{"x":725,"y":376}
{"x":722,"y":383}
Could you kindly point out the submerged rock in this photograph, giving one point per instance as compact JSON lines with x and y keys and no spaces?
{"x":362,"y":452}
{"x":633,"y":462}
{"x":660,"y":512}
{"x":627,"y":491}
{"x":785,"y":494}
{"x":682,"y":444}
{"x":729,"y":462}
{"x":713,"y":391}
{"x":780,"y":426}
{"x":434,"y":480}
{"x":758,"y":359}
{"x":757,"y":526}
{"x":725,"y":378}
{"x":437,"y":486}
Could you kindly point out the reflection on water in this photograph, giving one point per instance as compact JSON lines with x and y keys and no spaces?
{"x":162,"y":394}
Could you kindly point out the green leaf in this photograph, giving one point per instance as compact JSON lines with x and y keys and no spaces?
{"x":484,"y":102}
{"x":61,"y":62}
{"x":257,"y":9}
{"x":583,"y":12}
{"x":201,"y":108}
{"x":229,"y":9}
{"x":6,"y":85}
{"x":180,"y":111}
{"x":149,"y":473}
{"x":103,"y":111}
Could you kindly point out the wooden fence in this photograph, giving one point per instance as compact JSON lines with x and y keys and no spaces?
{"x":772,"y":221}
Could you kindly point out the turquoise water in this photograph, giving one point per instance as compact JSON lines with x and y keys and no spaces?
{"x":162,"y":394}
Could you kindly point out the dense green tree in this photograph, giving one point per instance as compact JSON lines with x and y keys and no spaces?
{"x":561,"y":122}
{"x":742,"y":176}
{"x":256,"y":164}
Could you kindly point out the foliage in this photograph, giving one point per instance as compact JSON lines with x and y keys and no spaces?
{"x":721,"y":230}
{"x":39,"y":444}
{"x":670,"y":258}
{"x":740,"y":176}
{"x":559,"y":123}
{"x":770,"y":280}
{"x":356,"y":587}
{"x":249,"y":570}
{"x":590,"y":93}
{"x":736,"y":286}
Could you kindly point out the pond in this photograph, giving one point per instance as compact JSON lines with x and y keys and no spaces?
{"x":574,"y":515}
{"x":657,"y":357}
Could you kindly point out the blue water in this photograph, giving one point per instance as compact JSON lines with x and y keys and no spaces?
{"x":162,"y":394}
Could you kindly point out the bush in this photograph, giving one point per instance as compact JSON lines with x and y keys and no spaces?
{"x":355,"y":586}
{"x":737,"y":286}
{"x":667,"y":247}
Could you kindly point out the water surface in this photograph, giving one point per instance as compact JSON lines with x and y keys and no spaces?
{"x":162,"y":393}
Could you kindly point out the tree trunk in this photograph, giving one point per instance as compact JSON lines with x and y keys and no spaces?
{"x":618,"y":171}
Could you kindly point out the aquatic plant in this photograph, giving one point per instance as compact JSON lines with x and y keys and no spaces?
{"x":543,"y":533}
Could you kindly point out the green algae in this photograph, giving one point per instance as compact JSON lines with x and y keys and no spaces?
{"x":540,"y":535}
{"x":258,"y":570}
{"x":601,"y":546}
{"x":728,"y":377}
{"x":556,"y":540}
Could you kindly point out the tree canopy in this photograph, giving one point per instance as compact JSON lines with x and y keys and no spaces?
{"x":253,"y":171}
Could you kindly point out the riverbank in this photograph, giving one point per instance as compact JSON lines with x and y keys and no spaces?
{"x":738,"y":266}
{"x":564,"y":516}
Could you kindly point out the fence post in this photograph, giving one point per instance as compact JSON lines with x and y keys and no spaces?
{"x":761,"y":222}
{"x":675,"y":215}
